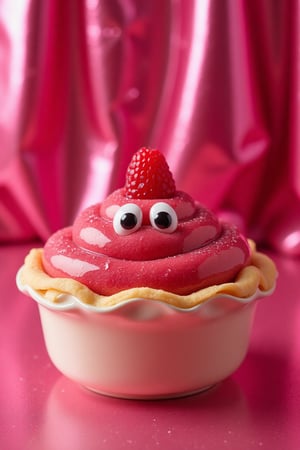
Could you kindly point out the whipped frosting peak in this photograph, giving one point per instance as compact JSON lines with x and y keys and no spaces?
{"x":162,"y":239}
{"x":185,"y":250}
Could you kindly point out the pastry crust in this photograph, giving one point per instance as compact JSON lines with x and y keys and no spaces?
{"x":260,"y":274}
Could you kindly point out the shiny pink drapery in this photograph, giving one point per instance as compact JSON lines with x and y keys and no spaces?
{"x":214,"y":85}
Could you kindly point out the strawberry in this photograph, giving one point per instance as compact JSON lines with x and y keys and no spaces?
{"x":148,"y":176}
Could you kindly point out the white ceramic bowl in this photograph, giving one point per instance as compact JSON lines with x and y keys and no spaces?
{"x":143,"y":348}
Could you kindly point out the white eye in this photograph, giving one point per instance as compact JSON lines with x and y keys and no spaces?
{"x":127,"y":219}
{"x":163,"y":217}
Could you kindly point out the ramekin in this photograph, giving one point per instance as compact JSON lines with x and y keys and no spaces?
{"x":146,"y":349}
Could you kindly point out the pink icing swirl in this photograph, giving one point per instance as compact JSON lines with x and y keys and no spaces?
{"x":191,"y":251}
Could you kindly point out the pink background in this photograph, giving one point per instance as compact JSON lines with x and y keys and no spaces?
{"x":215,"y":86}
{"x":212,"y":84}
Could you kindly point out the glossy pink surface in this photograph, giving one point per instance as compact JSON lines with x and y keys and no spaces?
{"x":256,"y":408}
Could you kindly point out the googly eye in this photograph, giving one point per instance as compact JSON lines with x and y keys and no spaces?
{"x":127,"y":219}
{"x":163,"y":217}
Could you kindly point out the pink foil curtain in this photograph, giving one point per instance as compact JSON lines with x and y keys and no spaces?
{"x":213,"y":84}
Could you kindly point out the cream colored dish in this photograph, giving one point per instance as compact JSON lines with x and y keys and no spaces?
{"x":142,"y":348}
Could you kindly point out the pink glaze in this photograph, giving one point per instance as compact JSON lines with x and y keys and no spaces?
{"x":200,"y":252}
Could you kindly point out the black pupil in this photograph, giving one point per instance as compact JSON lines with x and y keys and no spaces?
{"x":163,"y":220}
{"x":128,"y":221}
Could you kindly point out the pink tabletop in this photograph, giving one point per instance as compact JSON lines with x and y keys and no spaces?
{"x":257,"y":408}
